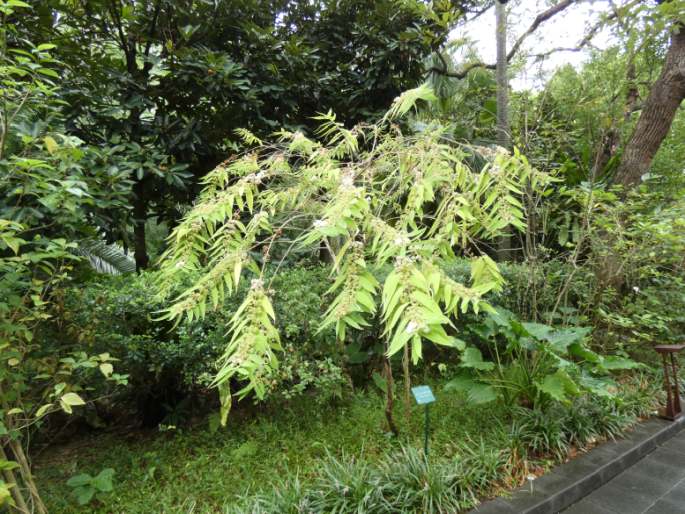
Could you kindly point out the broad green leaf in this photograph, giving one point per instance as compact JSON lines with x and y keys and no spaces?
{"x":43,"y":409}
{"x":618,"y":363}
{"x":106,"y":368}
{"x":554,"y":387}
{"x":472,"y":358}
{"x":560,"y":340}
{"x":380,"y":382}
{"x":578,"y":350}
{"x":416,"y":349}
{"x":84,"y":494}
{"x":461,"y":383}
{"x":7,"y":465}
{"x":598,"y":386}
{"x":558,"y":386}
{"x":482,"y":393}
{"x":103,"y":480}
{"x":537,"y":330}
{"x":72,"y":399}
{"x":79,"y":480}
{"x":51,"y":145}
{"x":5,"y":494}
{"x":398,"y":341}
{"x":226,"y":400}
{"x":48,"y":72}
{"x":17,"y":3}
{"x":501,"y":316}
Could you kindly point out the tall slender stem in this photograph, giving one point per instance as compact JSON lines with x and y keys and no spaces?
{"x":11,"y":479}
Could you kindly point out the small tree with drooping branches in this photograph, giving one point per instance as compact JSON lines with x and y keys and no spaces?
{"x":372,"y":196}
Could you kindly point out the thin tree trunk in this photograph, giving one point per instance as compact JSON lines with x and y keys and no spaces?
{"x":657,"y":115}
{"x":27,"y":476}
{"x":11,"y":480}
{"x":389,"y":397}
{"x":503,"y":129}
{"x":407,"y":385}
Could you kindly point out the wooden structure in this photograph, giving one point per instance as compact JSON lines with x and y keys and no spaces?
{"x":668,"y":352}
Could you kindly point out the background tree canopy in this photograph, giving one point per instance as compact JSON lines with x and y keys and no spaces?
{"x":156,"y":80}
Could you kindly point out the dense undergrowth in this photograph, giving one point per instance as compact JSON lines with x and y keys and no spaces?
{"x":169,"y":370}
{"x":299,"y":456}
{"x":316,"y":445}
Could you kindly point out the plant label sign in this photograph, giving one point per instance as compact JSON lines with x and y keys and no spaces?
{"x":423,"y":395}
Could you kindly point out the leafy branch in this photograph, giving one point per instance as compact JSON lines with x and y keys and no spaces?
{"x":409,"y":200}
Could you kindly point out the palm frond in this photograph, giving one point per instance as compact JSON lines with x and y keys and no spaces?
{"x":110,"y":259}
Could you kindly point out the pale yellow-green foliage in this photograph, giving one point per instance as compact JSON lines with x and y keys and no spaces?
{"x":371,"y":195}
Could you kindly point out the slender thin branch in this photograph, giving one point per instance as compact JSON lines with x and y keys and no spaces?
{"x":539,"y":20}
{"x":153,"y":26}
{"x":587,"y":39}
{"x":122,"y":37}
{"x":477,"y":14}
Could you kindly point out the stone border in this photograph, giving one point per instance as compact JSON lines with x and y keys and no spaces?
{"x":568,"y":483}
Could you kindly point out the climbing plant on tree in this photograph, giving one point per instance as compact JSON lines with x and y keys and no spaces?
{"x":372,"y":196}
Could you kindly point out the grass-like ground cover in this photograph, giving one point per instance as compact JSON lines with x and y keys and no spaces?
{"x":199,"y":470}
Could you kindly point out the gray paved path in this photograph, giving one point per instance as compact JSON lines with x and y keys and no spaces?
{"x":655,"y":485}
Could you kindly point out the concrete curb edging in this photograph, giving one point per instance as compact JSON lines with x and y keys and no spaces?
{"x":568,"y":483}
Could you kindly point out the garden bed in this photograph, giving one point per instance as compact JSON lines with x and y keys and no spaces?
{"x":304,"y":453}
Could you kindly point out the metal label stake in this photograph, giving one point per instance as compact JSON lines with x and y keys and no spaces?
{"x":424,"y":396}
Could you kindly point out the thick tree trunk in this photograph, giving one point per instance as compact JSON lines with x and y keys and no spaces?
{"x":140,"y":217}
{"x":658,"y":112}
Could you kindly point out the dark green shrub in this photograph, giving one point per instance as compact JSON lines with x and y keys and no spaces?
{"x":170,"y":367}
{"x":531,"y":291}
{"x":167,"y":366}
{"x":650,"y":313}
